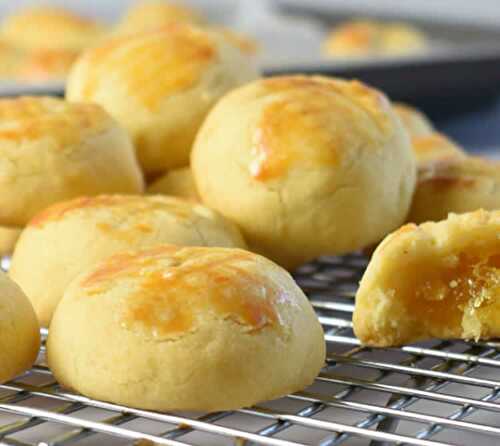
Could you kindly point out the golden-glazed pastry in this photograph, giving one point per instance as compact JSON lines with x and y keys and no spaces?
{"x":369,"y":38}
{"x":305,"y":166}
{"x":71,"y":236}
{"x":414,"y":121}
{"x":19,"y":331}
{"x":435,"y":146}
{"x":436,"y":280}
{"x":146,"y":15}
{"x":8,"y":239}
{"x":50,"y":27}
{"x":455,"y":185}
{"x":160,"y":85}
{"x":201,"y":329}
{"x":178,"y":183}
{"x":10,"y":60}
{"x":46,"y":65}
{"x":51,"y":150}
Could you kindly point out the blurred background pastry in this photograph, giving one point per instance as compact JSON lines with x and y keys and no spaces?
{"x":52,"y":150}
{"x":414,"y":121}
{"x":19,"y":330}
{"x":69,"y":237}
{"x":435,"y":146}
{"x":370,"y":38}
{"x":160,"y":85}
{"x":42,"y":65}
{"x":184,"y":335}
{"x":50,"y":27}
{"x":456,"y":184}
{"x":305,"y":166}
{"x":8,"y":239}
{"x":146,"y":15}
{"x":177,"y":183}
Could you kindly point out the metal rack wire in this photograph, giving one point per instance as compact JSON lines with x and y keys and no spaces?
{"x":427,"y":394}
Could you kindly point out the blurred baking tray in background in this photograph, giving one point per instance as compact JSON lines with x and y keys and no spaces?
{"x":460,"y":71}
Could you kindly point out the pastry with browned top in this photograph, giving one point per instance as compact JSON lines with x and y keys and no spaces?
{"x":305,"y":166}
{"x":51,"y":150}
{"x":436,"y":280}
{"x":369,"y":38}
{"x":203,"y":329}
{"x":69,"y":237}
{"x":456,"y":184}
{"x":50,"y":27}
{"x":159,"y":85}
{"x":19,"y":331}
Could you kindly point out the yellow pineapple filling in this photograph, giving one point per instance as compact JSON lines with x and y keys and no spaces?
{"x":453,"y":295}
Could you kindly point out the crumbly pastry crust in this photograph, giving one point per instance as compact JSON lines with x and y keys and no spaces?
{"x":436,"y":280}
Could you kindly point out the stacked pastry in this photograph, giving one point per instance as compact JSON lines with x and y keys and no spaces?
{"x":269,"y":174}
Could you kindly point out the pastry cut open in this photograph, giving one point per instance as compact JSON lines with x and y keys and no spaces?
{"x":436,"y":280}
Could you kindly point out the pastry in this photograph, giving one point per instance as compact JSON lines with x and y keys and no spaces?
{"x":46,"y":65}
{"x":369,"y":38}
{"x":160,"y":85}
{"x":434,"y":147}
{"x":176,"y":182}
{"x":51,"y":150}
{"x":50,"y":27}
{"x":8,"y":239}
{"x":436,"y":280}
{"x":305,"y":166}
{"x":19,"y":331}
{"x":414,"y":121}
{"x":455,"y":185}
{"x":203,"y":329}
{"x":150,"y":14}
{"x":71,"y":236}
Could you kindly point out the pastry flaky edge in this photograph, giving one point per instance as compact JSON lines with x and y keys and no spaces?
{"x":383,"y":318}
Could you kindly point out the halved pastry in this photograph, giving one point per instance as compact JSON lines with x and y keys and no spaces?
{"x":436,"y":280}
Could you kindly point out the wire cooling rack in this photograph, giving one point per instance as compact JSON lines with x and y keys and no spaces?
{"x":426,"y":394}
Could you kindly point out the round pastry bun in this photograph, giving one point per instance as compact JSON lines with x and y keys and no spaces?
{"x":160,"y":85}
{"x":455,"y":185}
{"x":19,"y":331}
{"x":71,"y":236}
{"x":50,"y":27}
{"x":435,"y":146}
{"x":178,"y":183}
{"x":8,"y":239}
{"x":305,"y":166}
{"x":413,"y":120}
{"x":11,"y":58}
{"x":146,"y":15}
{"x":51,"y":150}
{"x":365,"y":38}
{"x":46,"y":65}
{"x":203,"y":329}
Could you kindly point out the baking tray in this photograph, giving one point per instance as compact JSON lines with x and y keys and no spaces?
{"x":460,"y":71}
{"x":427,"y":394}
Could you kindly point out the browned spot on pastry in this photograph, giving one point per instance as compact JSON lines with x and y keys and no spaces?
{"x":174,"y":288}
{"x":47,"y":64}
{"x":63,"y":123}
{"x":124,"y":204}
{"x":303,"y":117}
{"x":446,"y":182}
{"x":153,"y":64}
